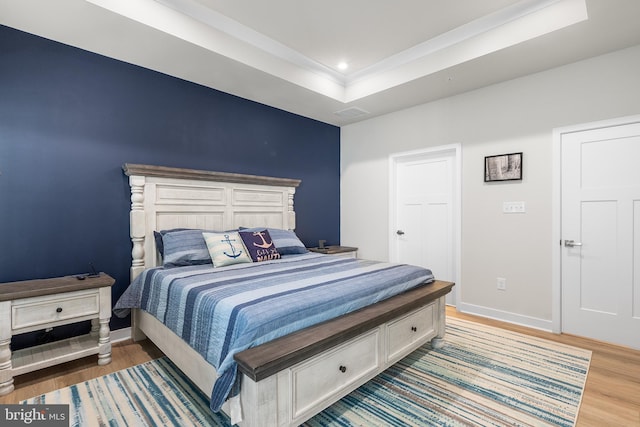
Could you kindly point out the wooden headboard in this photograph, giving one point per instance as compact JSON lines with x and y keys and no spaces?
{"x":163,"y":198}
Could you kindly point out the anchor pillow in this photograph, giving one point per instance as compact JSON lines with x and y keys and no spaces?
{"x":226,"y":248}
{"x":260,"y":245}
{"x":285,"y":240}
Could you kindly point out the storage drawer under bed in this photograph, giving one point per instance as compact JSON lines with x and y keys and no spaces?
{"x":419,"y":325}
{"x":328,"y":373}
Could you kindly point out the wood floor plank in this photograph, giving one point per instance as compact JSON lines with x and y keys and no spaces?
{"x":124,"y":355}
{"x":612,"y":392}
{"x":611,"y":397}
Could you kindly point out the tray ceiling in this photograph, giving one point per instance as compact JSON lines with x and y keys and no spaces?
{"x":285,"y":53}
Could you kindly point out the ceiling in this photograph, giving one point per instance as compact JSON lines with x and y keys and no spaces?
{"x":285,"y":53}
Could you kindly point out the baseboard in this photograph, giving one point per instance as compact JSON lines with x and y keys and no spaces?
{"x":121,"y":335}
{"x":505,"y":316}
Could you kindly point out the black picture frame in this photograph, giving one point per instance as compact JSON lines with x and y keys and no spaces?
{"x":503,"y":167}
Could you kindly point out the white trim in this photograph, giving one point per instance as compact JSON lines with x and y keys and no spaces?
{"x":556,"y":233}
{"x":120,"y":335}
{"x":456,"y":150}
{"x":505,"y":316}
{"x":458,"y":35}
{"x":556,"y":208}
{"x":209,"y":29}
{"x":241,"y":32}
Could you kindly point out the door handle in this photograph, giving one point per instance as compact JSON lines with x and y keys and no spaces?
{"x":571,"y":243}
{"x":399,"y":232}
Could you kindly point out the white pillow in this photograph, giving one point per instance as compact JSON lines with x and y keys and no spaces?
{"x":226,"y":248}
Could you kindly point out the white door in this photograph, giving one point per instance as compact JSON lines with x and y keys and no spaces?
{"x":423,"y":214}
{"x":601,"y":234}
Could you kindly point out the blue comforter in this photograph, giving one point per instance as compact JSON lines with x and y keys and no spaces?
{"x":222,"y":311}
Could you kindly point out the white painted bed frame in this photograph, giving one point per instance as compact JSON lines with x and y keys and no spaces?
{"x":165,"y":198}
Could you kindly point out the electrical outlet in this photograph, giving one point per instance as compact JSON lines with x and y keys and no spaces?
{"x":501,"y":283}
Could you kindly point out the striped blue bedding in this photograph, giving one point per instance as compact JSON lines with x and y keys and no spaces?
{"x":222,"y":311}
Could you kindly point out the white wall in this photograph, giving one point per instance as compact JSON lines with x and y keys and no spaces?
{"x":513,"y":116}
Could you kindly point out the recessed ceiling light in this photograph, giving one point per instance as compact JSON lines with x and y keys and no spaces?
{"x":343,"y":66}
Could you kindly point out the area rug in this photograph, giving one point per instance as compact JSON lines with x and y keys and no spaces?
{"x":482,"y":376}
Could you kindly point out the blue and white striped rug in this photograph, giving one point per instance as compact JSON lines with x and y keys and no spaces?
{"x":483,"y":376}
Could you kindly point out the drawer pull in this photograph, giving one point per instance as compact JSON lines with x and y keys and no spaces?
{"x":414,"y":329}
{"x":342,"y":369}
{"x":59,"y":310}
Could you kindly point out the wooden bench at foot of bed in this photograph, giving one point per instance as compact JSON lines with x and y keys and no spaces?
{"x":292,"y":378}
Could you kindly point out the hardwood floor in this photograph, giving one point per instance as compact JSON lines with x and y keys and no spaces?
{"x":611,"y":397}
{"x":124,"y":355}
{"x":612,"y":392}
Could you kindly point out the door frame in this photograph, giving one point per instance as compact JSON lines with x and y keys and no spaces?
{"x":450,"y":150}
{"x":556,"y":208}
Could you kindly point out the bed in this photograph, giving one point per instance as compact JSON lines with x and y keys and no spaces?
{"x":278,"y":379}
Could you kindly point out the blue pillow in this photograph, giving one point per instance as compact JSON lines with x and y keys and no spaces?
{"x":285,"y":241}
{"x":184,"y":247}
{"x":259,"y":245}
{"x":157,"y":235}
{"x":181,"y":247}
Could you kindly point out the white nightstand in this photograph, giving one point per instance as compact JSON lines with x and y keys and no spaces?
{"x":32,"y":305}
{"x":344,"y":251}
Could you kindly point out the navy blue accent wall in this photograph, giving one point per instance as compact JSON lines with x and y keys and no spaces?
{"x":69,"y":119}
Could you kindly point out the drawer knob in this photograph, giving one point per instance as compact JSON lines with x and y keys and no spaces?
{"x":414,"y":329}
{"x":342,"y":369}
{"x":59,"y":310}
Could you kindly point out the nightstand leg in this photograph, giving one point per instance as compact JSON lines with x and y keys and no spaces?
{"x":6,"y":376}
{"x":104,"y":340}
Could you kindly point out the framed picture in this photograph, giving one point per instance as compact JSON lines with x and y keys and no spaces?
{"x":503,"y":167}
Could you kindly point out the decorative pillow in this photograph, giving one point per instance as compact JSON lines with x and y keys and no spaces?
{"x":286,"y":241}
{"x":226,"y":248}
{"x":184,"y":247}
{"x":259,"y":245}
{"x":157,"y":235}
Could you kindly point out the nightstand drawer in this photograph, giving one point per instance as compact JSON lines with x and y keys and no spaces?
{"x":34,"y":312}
{"x":30,"y":305}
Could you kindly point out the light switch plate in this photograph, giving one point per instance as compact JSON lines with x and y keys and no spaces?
{"x":513,"y":207}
